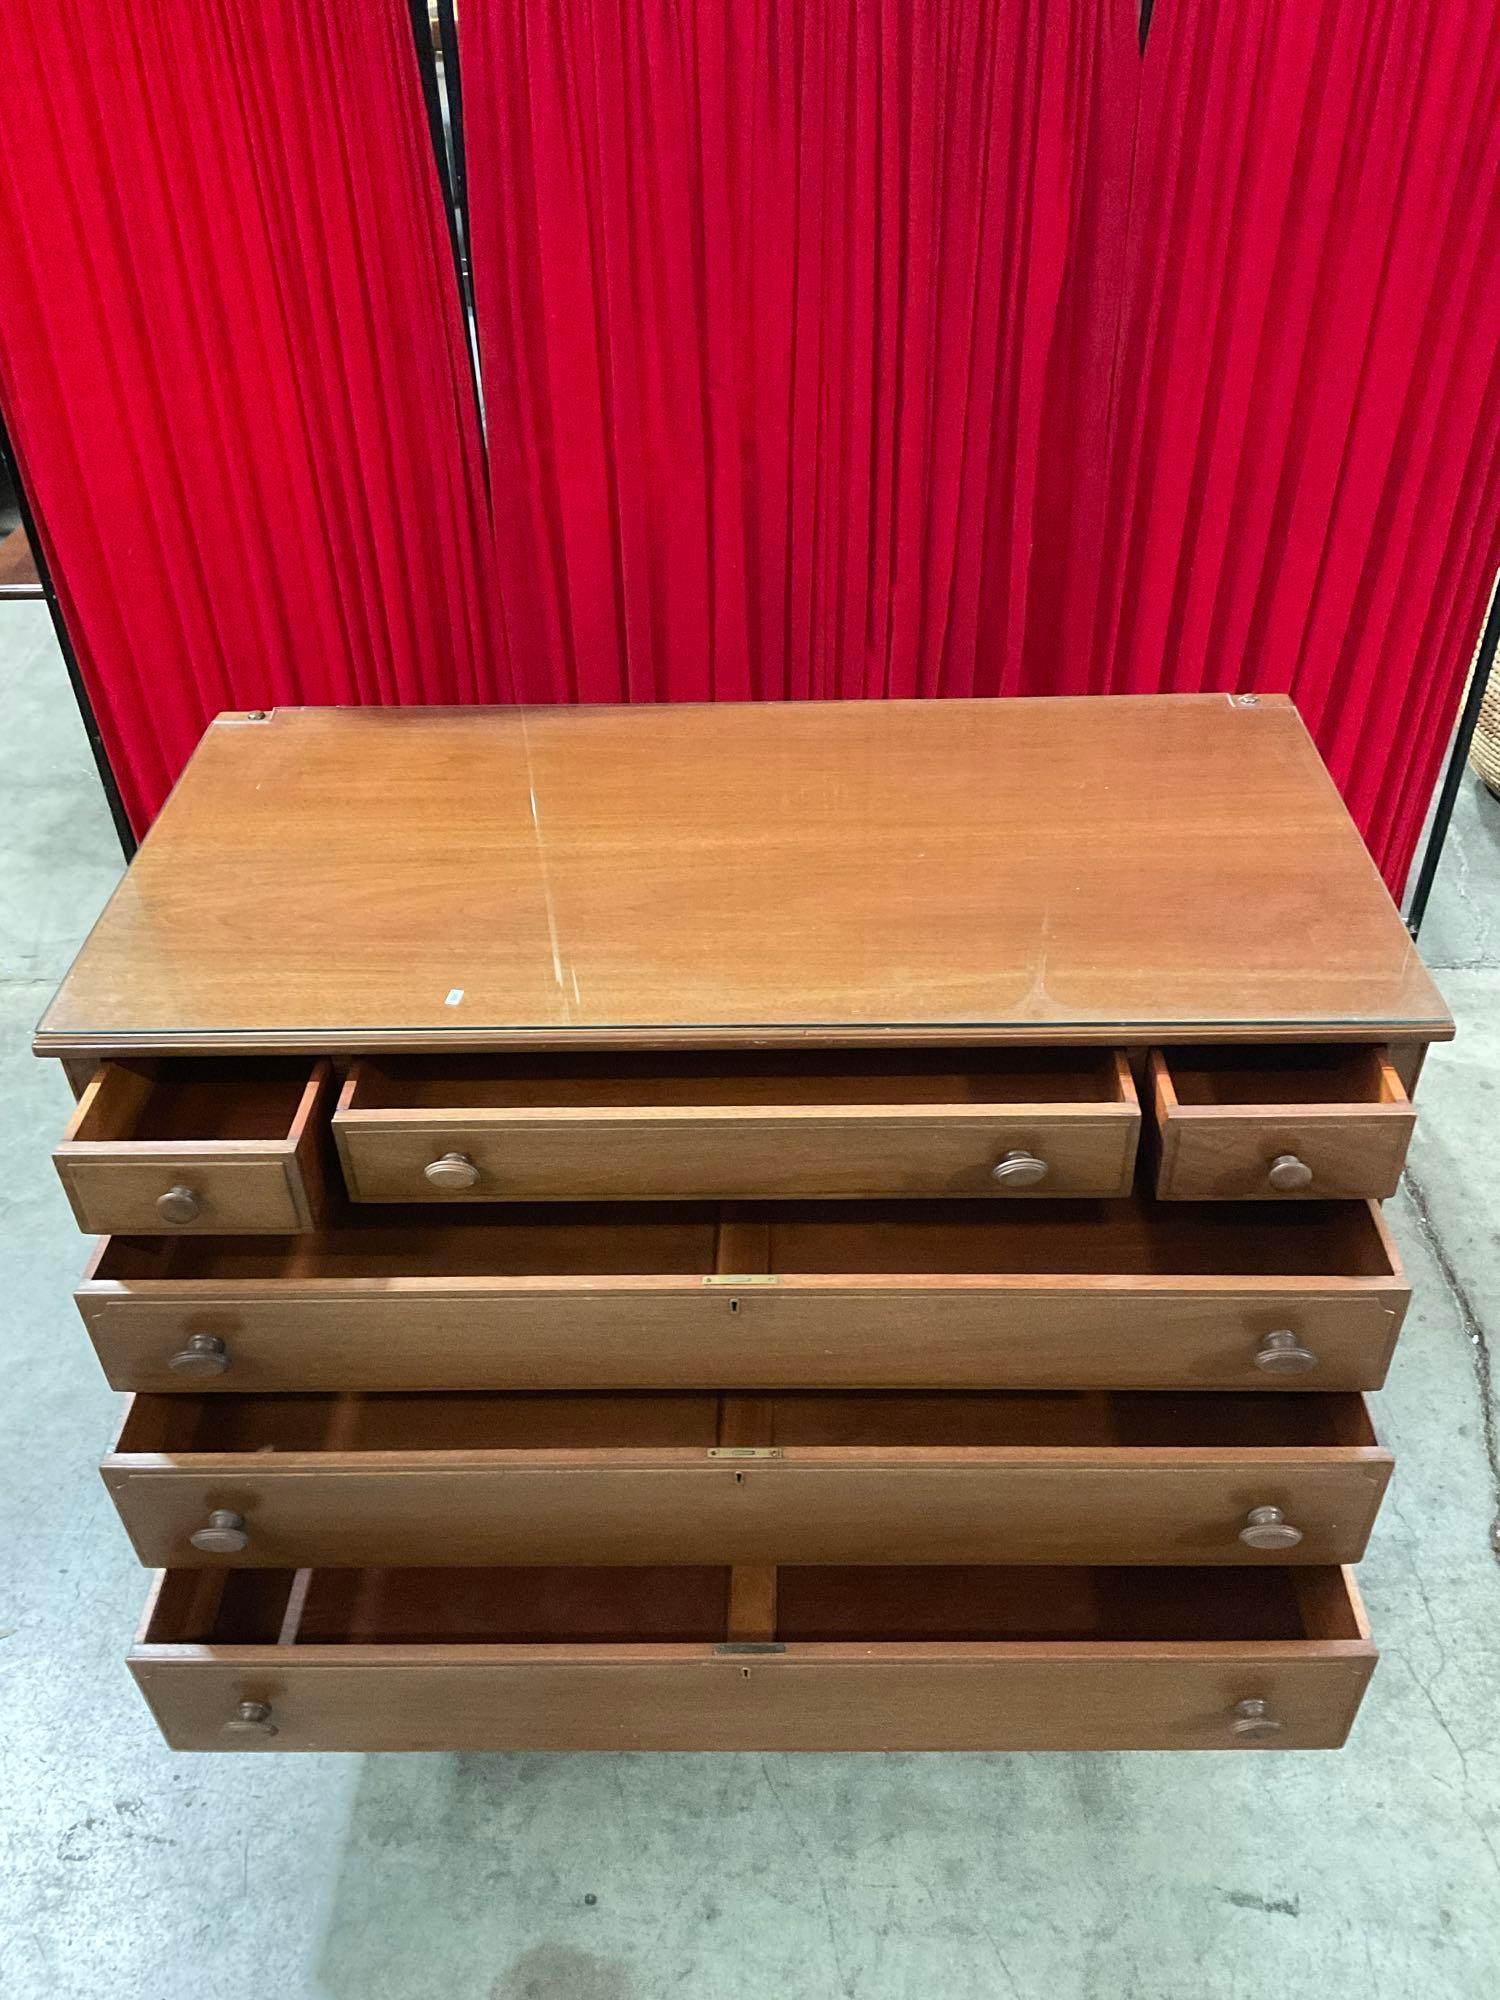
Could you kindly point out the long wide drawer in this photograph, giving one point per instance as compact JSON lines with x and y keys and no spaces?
{"x":1121,"y":1294}
{"x":865,"y":1659}
{"x":667,"y":1127}
{"x":1014,"y":1477}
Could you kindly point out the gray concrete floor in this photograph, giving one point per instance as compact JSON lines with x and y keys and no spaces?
{"x":130,"y":1872}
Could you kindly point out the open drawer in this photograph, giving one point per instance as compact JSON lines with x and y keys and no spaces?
{"x":1120,"y":1294}
{"x":796,"y":1477}
{"x":731,"y":1126}
{"x":1278,"y":1124}
{"x":861,"y":1659}
{"x":198,"y":1147}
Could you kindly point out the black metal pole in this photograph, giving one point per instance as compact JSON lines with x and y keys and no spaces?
{"x":421,"y":28}
{"x":453,"y":85}
{"x":65,"y":647}
{"x":1458,"y":757}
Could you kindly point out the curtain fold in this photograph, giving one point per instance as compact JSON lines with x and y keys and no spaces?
{"x":233,"y":364}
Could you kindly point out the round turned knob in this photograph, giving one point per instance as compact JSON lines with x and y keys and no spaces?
{"x":1269,"y":1528}
{"x":204,"y":1355}
{"x":225,"y":1534}
{"x":1252,"y":1721}
{"x":178,"y":1204}
{"x":251,"y":1718}
{"x":452,"y":1172}
{"x":1020,"y":1169}
{"x":1287,"y":1173}
{"x":1282,"y":1353}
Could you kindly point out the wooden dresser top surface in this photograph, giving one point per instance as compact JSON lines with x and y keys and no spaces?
{"x":1089,"y":869}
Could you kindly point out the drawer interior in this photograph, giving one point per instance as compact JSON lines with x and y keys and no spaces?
{"x":176,"y":1103}
{"x":558,"y":1241}
{"x":697,"y":1422}
{"x":369,"y":1607}
{"x":750,"y":1080}
{"x":1135,"y":1237}
{"x":1324,"y":1074}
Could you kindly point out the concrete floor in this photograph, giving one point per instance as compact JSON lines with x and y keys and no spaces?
{"x":130,"y":1872}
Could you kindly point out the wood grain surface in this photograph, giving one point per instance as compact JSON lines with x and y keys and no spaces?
{"x":359,"y":879}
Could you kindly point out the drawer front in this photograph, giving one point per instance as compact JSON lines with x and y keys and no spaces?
{"x":228,"y":1197}
{"x":1289,"y":1152}
{"x":411,"y":1336}
{"x":1048,"y":1696}
{"x":853,"y":1505}
{"x":121,"y":1183}
{"x":731,"y":1156}
{"x":746,"y":1128}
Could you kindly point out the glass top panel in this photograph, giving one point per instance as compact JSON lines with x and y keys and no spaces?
{"x":1099,"y":865}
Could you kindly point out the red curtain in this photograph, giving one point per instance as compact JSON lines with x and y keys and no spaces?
{"x":768,"y":298}
{"x":233,"y":365}
{"x":1300,"y":483}
{"x":945,"y":348}
{"x":830,"y":349}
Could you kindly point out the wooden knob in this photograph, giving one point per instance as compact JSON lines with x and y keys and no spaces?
{"x":1282,"y":1353}
{"x":453,"y":1172}
{"x":204,"y":1355}
{"x":1020,"y":1169}
{"x":1287,"y":1173}
{"x":1253,"y":1721}
{"x":251,"y":1718}
{"x":225,"y":1534}
{"x":178,"y":1204}
{"x":1268,"y":1528}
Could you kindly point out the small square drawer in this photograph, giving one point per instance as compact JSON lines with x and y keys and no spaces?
{"x":855,"y":1659}
{"x":814,"y":1124}
{"x":198,"y":1148}
{"x":1271,"y":1124}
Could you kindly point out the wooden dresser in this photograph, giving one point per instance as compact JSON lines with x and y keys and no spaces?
{"x":830,"y":1226}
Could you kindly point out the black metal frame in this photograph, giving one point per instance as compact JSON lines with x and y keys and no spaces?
{"x":453,"y":84}
{"x":65,"y":646}
{"x":421,"y":31}
{"x":1458,"y":757}
{"x":448,"y":156}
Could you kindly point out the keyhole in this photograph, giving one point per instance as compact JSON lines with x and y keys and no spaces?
{"x":734,"y":1305}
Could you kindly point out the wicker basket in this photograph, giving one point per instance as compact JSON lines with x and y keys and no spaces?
{"x":1484,"y":751}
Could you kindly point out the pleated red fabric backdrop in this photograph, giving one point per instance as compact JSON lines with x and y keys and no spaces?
{"x":923,"y":347}
{"x":943,"y":348}
{"x":1299,"y":487}
{"x":769,"y":297}
{"x":233,"y":364}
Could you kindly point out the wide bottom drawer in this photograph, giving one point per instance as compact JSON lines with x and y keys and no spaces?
{"x":851,"y":1659}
